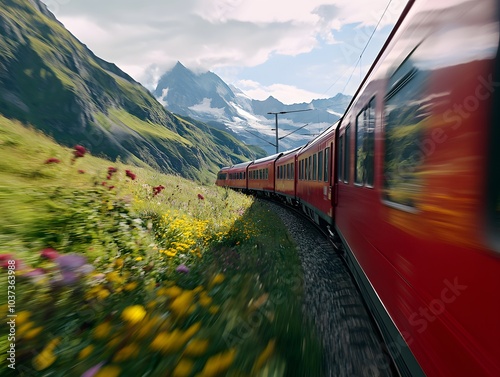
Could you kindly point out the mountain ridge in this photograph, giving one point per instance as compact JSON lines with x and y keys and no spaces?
{"x":207,"y":98}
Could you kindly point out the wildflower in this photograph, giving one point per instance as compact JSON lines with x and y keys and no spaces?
{"x":218,"y":364}
{"x":182,"y":268}
{"x":22,"y":317}
{"x":201,"y":197}
{"x":217,"y":279}
{"x":264,"y":356}
{"x":49,"y":253}
{"x":81,"y":171}
{"x":85,"y":352}
{"x":129,"y":174}
{"x":112,"y":170}
{"x":130,"y":350}
{"x":130,"y":286}
{"x":133,"y":314}
{"x":79,"y":151}
{"x":102,"y":330}
{"x":71,"y":261}
{"x":138,"y":259}
{"x":196,"y":347}
{"x":108,"y":371}
{"x":167,"y":342}
{"x":46,"y":357}
{"x":158,"y":189}
{"x":183,"y":368}
{"x":119,"y":262}
{"x":33,"y":333}
{"x":52,"y":160}
{"x":181,"y":304}
{"x":92,"y":371}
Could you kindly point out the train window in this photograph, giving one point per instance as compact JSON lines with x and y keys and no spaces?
{"x":292,"y":170}
{"x":405,"y":116}
{"x":347,"y":154}
{"x":340,"y":157}
{"x":315,"y":166}
{"x":310,"y":168}
{"x":365,"y":144}
{"x":320,"y":165}
{"x":326,"y":173}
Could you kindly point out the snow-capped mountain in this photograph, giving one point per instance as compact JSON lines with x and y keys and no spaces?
{"x":206,"y":97}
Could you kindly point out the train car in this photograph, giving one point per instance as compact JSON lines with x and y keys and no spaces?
{"x":286,"y":167}
{"x":315,"y":177}
{"x":261,"y":175}
{"x":235,"y":176}
{"x":419,"y":189}
{"x":222,"y":177}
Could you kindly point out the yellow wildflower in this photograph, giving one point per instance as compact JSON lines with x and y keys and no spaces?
{"x":46,"y":358}
{"x":133,"y":314}
{"x":102,"y":330}
{"x":30,"y":334}
{"x":182,"y":303}
{"x":119,"y":262}
{"x":217,"y":279}
{"x":130,"y":350}
{"x":183,"y":368}
{"x":22,"y":316}
{"x":108,"y":371}
{"x":205,"y":300}
{"x":130,"y":286}
{"x":114,"y":277}
{"x":21,"y":330}
{"x":171,"y":252}
{"x":196,"y":347}
{"x":102,"y":294}
{"x":84,"y":353}
{"x":166,"y":342}
{"x":218,"y":364}
{"x":43,"y":360}
{"x":264,"y":356}
{"x":138,"y":259}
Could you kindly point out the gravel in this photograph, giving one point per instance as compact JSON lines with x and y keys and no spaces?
{"x":352,"y":345}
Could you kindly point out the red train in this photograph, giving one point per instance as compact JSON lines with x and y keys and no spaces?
{"x":409,"y":179}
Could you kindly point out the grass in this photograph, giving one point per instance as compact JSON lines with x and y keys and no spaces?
{"x":133,"y":272}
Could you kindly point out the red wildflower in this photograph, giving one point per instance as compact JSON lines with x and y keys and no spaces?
{"x":6,"y":257}
{"x":201,"y":197}
{"x":111,"y":170}
{"x":103,"y":183}
{"x":158,"y":189}
{"x":109,"y":176}
{"x":129,"y":174}
{"x":49,"y":253}
{"x":81,"y":171}
{"x":52,"y":160}
{"x":111,"y":187}
{"x":79,"y":151}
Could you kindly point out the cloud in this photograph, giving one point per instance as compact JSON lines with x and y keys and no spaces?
{"x":146,"y":38}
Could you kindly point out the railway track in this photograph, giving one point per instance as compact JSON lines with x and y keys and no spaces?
{"x":352,"y":344}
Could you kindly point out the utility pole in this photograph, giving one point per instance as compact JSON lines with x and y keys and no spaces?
{"x":276,"y":121}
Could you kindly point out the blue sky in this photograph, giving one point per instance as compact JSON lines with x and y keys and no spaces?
{"x":295,"y":50}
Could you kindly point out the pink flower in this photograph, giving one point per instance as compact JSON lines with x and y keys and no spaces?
{"x":4,"y":257}
{"x":201,"y":197}
{"x":52,"y":160}
{"x":49,"y":253}
{"x":129,"y":174}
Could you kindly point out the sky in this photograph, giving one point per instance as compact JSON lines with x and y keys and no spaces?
{"x":293,"y":50}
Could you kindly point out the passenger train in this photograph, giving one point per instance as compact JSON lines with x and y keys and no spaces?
{"x":409,"y":180}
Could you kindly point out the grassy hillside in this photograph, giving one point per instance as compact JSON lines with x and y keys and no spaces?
{"x":125,"y":271}
{"x":50,"y":80}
